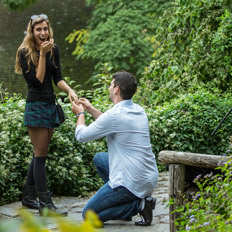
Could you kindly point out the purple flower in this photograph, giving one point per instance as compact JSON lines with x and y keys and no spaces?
{"x":211,"y":173}
{"x":192,"y":220}
{"x":198,"y":176}
{"x":188,"y":228}
{"x":197,"y":196}
{"x":219,"y":163}
{"x":206,"y":224}
{"x":192,"y":216}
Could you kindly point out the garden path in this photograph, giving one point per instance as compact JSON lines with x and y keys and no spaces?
{"x":74,"y":205}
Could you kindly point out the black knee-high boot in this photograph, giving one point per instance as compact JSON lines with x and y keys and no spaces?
{"x":45,"y":200}
{"x":29,"y":197}
{"x":29,"y":191}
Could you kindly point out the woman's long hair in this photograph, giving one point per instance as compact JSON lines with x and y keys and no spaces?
{"x":28,"y":45}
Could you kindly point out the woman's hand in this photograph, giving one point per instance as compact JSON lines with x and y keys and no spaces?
{"x":46,"y":47}
{"x":71,"y":93}
{"x":72,"y":96}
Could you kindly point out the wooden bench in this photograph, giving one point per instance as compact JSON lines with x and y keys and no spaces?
{"x":177,"y":162}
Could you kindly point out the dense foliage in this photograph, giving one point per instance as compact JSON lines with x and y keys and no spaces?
{"x":210,"y":209}
{"x":186,"y":123}
{"x":121,"y":33}
{"x":193,"y":48}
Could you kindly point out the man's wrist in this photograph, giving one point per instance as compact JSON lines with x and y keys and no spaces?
{"x":90,"y":109}
{"x":78,"y":114}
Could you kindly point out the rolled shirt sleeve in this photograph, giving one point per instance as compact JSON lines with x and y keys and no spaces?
{"x":98,"y":129}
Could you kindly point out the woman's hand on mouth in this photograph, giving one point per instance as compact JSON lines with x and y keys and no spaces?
{"x":46,"y":46}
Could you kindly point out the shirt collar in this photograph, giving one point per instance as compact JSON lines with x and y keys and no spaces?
{"x":124,"y":103}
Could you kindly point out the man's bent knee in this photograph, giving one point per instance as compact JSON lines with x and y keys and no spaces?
{"x":99,"y":155}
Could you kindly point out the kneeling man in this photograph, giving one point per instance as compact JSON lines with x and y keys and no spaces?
{"x":129,"y":168}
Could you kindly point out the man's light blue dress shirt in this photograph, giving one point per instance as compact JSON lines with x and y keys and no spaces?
{"x":132,"y":163}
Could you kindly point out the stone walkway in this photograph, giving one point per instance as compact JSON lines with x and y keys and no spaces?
{"x":74,"y":205}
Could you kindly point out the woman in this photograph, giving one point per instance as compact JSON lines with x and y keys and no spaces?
{"x":39,"y":60}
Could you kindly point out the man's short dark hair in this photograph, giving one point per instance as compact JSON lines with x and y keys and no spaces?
{"x":127,"y":84}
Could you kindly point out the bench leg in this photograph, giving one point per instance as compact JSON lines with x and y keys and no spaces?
{"x":176,"y":189}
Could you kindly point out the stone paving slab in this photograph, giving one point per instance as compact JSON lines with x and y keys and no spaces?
{"x":75,"y":205}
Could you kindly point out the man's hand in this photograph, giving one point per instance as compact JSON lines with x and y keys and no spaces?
{"x":77,"y":108}
{"x":85,"y":103}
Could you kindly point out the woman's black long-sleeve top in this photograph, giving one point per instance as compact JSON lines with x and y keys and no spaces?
{"x":37,"y":91}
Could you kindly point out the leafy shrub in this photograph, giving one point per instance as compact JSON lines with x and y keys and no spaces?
{"x":210,"y":209}
{"x":15,"y":146}
{"x":186,"y":123}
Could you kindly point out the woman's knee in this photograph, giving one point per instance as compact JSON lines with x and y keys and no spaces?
{"x":40,"y":150}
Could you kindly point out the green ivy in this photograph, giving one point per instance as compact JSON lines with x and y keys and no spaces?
{"x":193,"y":45}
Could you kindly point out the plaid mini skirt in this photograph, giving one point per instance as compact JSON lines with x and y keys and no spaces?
{"x":41,"y":114}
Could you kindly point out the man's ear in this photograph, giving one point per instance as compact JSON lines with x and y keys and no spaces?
{"x":116,"y":90}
